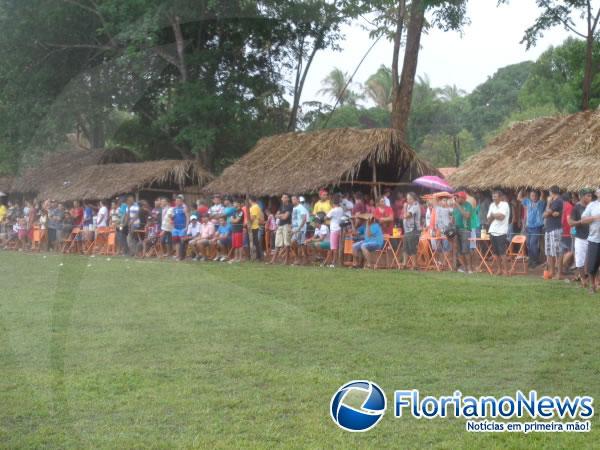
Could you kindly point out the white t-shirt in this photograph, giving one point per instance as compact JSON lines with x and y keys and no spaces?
{"x":335,"y":215}
{"x":499,"y":227}
{"x":322,"y":232}
{"x":387,"y":201}
{"x":193,"y":230}
{"x":102,"y":217}
{"x":167,"y":216}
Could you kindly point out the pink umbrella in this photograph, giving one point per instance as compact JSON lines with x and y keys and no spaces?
{"x":434,"y":183}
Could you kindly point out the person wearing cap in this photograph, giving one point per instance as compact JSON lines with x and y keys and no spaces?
{"x":591,"y":217}
{"x":462,"y":213}
{"x":553,"y":232}
{"x":581,"y":232}
{"x":323,"y":205}
{"x":191,"y":232}
{"x":299,"y":221}
{"x":534,"y":224}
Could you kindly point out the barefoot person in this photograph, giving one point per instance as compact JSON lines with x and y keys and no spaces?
{"x":498,"y":219}
{"x":553,"y":232}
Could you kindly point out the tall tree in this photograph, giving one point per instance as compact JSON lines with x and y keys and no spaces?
{"x":562,"y":13}
{"x":446,"y":15}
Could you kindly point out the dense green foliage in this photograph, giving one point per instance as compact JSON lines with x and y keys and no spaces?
{"x":125,"y":354}
{"x":205,"y":79}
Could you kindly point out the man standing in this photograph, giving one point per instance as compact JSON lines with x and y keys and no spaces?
{"x":283,"y":236}
{"x":581,"y":233}
{"x":299,"y":221}
{"x":591,"y":217}
{"x":256,"y":219}
{"x":553,"y":232}
{"x":534,"y":223}
{"x":462,"y":213}
{"x":323,"y":205}
{"x":497,"y":216}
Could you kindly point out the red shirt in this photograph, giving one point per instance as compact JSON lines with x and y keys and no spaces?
{"x":567,"y":208}
{"x":202,"y":210}
{"x":77,"y":215}
{"x":387,"y":227}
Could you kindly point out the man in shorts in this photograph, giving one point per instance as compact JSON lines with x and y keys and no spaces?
{"x":299,"y":221}
{"x":497,"y":217}
{"x":591,"y":217}
{"x":582,"y":231}
{"x":283,"y":235}
{"x":553,"y":232}
{"x":463,"y":210}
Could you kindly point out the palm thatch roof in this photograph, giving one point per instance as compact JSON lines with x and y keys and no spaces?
{"x":447,"y":171}
{"x":61,"y":165}
{"x":304,"y":162}
{"x":105,"y":181}
{"x":562,"y":151}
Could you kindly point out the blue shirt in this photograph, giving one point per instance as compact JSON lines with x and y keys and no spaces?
{"x":224,"y":230}
{"x":376,"y":235}
{"x":535,"y":213}
{"x":299,"y":213}
{"x":179,"y":217}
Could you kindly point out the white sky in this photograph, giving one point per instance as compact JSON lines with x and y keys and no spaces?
{"x":489,"y":43}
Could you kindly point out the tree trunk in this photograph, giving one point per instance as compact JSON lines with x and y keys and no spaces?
{"x":97,"y":138}
{"x":397,"y":44}
{"x":456,"y":146}
{"x":299,"y":86}
{"x":587,"y":77}
{"x":403,"y":100}
{"x":180,"y":45}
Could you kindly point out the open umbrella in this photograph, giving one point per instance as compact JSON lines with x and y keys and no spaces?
{"x":434,"y":183}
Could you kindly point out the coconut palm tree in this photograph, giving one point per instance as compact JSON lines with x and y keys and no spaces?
{"x":451,"y":92}
{"x":379,"y":87}
{"x":336,"y":85}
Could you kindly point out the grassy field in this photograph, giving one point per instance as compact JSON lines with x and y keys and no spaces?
{"x":121,"y":353}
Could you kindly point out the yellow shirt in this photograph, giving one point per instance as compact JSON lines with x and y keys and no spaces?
{"x":255,"y":215}
{"x":3,"y":212}
{"x":322,"y":206}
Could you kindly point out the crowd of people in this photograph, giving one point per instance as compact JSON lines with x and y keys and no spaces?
{"x":565,"y":227}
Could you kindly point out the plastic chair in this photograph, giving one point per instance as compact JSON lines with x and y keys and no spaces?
{"x":69,"y":242}
{"x":347,"y":256}
{"x":111,"y":243}
{"x":517,"y":255}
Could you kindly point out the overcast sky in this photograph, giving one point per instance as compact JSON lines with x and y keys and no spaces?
{"x":490,"y":42}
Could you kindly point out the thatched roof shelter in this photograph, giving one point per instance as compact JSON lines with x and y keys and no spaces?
{"x":562,"y":151}
{"x":60,"y":165}
{"x":109,"y":180}
{"x":304,"y":162}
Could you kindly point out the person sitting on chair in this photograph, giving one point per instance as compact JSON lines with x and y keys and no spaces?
{"x":372,"y":242}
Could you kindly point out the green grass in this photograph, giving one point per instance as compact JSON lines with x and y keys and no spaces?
{"x":121,"y":353}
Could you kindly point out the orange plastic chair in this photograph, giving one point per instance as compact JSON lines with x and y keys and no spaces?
{"x":37,"y":238}
{"x":111,"y":243}
{"x":517,"y":255}
{"x":347,"y":258}
{"x":385,"y":251}
{"x":69,"y":242}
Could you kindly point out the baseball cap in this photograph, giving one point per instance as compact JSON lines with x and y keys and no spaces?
{"x":301,"y":199}
{"x":462,"y":195}
{"x":180,"y":197}
{"x":586,"y":191}
{"x":194,"y":217}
